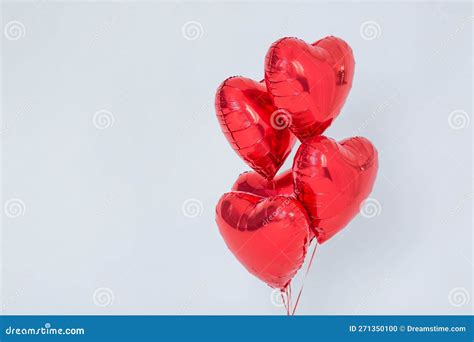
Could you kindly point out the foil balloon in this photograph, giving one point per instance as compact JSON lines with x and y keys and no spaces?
{"x":252,"y":125}
{"x":332,"y":179}
{"x":268,"y":220}
{"x":253,"y":183}
{"x":268,"y":235}
{"x":309,"y":83}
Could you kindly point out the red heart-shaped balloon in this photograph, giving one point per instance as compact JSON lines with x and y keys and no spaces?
{"x":253,"y":183}
{"x":269,"y":236}
{"x":310,"y":83}
{"x":252,"y":125}
{"x":332,"y":179}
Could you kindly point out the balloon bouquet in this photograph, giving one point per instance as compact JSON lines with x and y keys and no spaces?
{"x":268,"y":221}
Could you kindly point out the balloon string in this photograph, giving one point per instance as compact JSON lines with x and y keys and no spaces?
{"x":304,"y":279}
{"x":289,"y":300}
{"x":285,"y":297}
